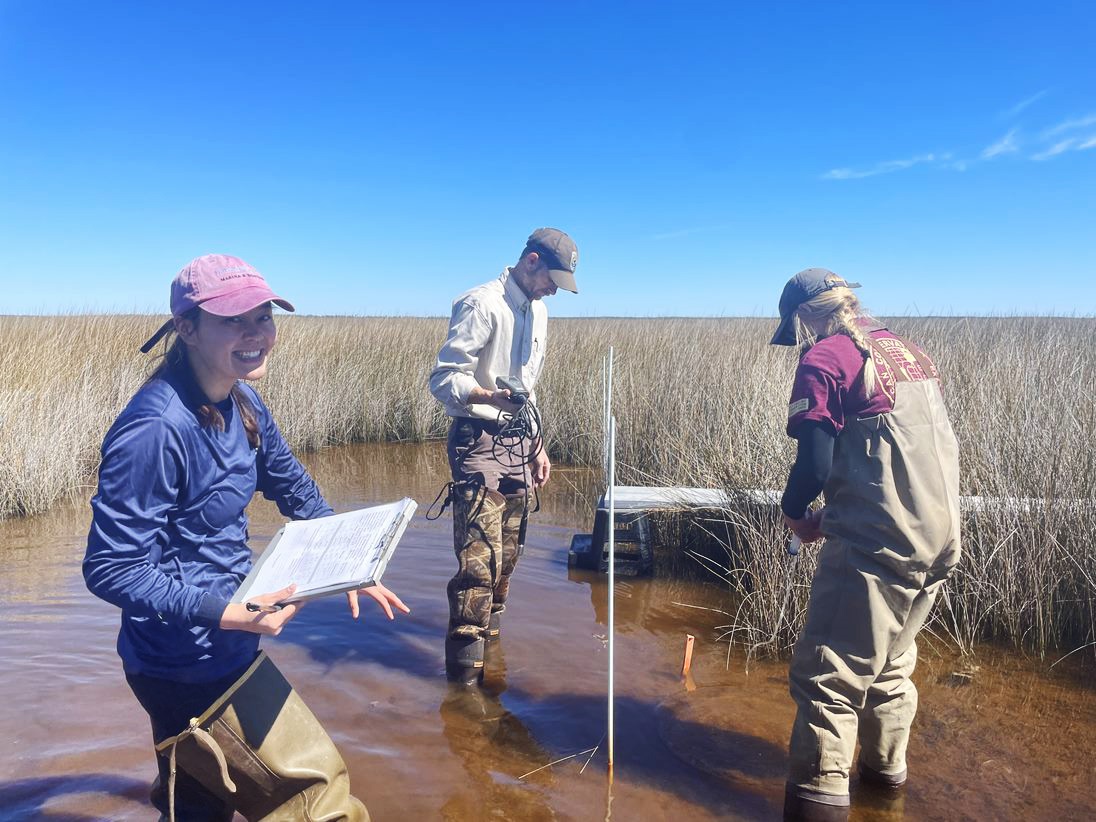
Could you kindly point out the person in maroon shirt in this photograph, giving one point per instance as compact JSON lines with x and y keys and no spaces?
{"x":868,"y":415}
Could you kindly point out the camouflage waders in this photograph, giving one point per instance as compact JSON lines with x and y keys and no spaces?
{"x":892,"y":537}
{"x":488,"y":504}
{"x":514,"y":518}
{"x":477,"y":539}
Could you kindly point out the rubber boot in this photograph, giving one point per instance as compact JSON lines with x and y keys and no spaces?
{"x":513,"y":532}
{"x":801,"y":805}
{"x":261,"y":749}
{"x":464,"y":659}
{"x":891,"y":782}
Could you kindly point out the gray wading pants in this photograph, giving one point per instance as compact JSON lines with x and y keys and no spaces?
{"x":892,"y":537}
{"x":488,"y":505}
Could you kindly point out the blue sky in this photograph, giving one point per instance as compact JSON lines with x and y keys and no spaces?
{"x":379,"y":158}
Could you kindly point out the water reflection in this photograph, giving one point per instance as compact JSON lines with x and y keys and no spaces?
{"x":645,"y":604}
{"x":495,"y":749}
{"x":1013,"y":742}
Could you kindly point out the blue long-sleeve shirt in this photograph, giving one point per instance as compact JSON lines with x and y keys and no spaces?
{"x":168,"y":539}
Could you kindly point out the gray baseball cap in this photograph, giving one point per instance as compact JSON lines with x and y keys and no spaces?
{"x":804,"y":286}
{"x":559,"y":252}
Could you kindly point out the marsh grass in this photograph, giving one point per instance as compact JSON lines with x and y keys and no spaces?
{"x":699,"y":402}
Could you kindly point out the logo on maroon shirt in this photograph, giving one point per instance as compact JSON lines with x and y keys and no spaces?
{"x":908,"y":365}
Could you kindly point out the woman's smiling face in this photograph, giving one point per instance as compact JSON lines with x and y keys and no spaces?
{"x":225,"y":349}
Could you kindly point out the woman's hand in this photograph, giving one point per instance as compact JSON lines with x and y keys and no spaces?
{"x":383,"y":597}
{"x":807,"y":528}
{"x":269,"y":620}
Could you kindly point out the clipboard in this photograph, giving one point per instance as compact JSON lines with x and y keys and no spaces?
{"x":329,"y":555}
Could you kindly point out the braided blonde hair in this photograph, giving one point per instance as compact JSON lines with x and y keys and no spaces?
{"x":837,"y":311}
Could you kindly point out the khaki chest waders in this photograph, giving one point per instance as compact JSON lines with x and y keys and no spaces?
{"x":892,"y":537}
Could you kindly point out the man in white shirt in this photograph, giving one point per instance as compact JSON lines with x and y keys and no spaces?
{"x":497,"y":332}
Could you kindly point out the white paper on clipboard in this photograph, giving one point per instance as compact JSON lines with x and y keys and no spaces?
{"x":330,"y":554}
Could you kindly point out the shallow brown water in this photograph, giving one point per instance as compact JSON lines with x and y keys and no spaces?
{"x":1015,"y":743}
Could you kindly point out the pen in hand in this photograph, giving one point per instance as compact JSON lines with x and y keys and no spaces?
{"x":256,"y":608}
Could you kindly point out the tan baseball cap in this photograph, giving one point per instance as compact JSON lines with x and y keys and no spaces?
{"x":559,"y":252}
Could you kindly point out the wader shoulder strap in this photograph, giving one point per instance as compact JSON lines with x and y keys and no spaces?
{"x":206,"y":740}
{"x":203,"y":738}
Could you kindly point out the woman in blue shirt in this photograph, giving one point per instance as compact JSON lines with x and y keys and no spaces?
{"x":168,"y":539}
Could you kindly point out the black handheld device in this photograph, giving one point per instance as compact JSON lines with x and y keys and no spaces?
{"x":518,"y":392}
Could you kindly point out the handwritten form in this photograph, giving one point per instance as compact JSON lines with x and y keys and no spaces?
{"x":329,"y":552}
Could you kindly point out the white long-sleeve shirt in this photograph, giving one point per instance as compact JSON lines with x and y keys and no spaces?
{"x":494,"y":331}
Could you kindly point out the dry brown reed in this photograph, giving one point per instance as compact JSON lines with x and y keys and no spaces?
{"x":1020,"y":395}
{"x":1020,"y":392}
{"x":699,"y":402}
{"x":62,"y":382}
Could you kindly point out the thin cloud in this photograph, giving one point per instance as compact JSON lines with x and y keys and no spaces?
{"x":888,"y":167}
{"x":1069,"y":144}
{"x":1006,"y":145}
{"x":1050,"y":143}
{"x":1070,"y":125}
{"x":1016,"y":109}
{"x":1055,"y":150}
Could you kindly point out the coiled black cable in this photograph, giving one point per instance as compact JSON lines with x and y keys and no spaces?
{"x":517,"y":431}
{"x":518,"y":441}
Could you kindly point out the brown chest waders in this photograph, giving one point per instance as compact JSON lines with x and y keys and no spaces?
{"x":892,"y":537}
{"x":260,"y":749}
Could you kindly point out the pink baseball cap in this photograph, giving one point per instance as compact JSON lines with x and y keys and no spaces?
{"x":219,"y":284}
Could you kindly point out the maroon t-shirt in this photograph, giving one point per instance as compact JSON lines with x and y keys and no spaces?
{"x":829,"y":383}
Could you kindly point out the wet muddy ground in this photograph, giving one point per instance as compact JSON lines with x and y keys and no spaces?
{"x":1012,"y":742}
